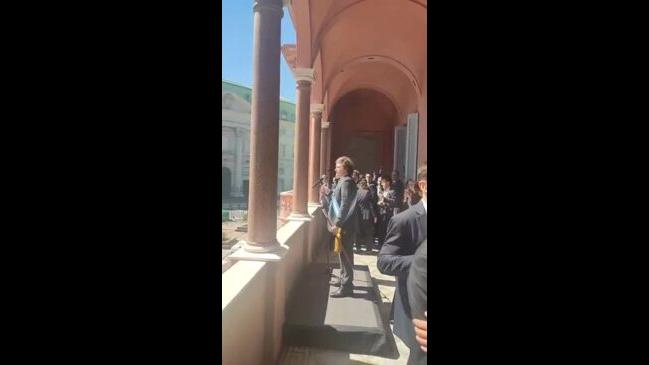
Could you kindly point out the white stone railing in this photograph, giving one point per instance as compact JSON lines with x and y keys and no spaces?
{"x":254,"y":294}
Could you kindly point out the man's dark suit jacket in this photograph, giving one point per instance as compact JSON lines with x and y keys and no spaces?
{"x":345,"y":195}
{"x":418,"y":294}
{"x":418,"y":281}
{"x":406,"y":231}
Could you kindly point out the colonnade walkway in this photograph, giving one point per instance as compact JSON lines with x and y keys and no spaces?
{"x":381,"y":291}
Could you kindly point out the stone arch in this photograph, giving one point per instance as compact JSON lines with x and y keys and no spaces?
{"x":386,"y":60}
{"x":364,"y":121}
{"x":331,"y":21}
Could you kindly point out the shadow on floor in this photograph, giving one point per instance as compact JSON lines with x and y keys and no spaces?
{"x":385,"y":308}
{"x":367,"y":253}
{"x":355,"y":362}
{"x":383,"y":282}
{"x":354,"y":324}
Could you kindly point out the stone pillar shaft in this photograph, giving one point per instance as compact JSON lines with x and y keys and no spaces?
{"x":301,"y":183}
{"x":264,"y":128}
{"x":314,"y":153}
{"x":327,"y":144}
{"x":323,"y":150}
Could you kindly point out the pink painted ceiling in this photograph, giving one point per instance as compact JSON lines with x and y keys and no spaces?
{"x":363,"y":44}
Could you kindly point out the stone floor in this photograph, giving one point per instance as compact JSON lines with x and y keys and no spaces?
{"x":315,"y":356}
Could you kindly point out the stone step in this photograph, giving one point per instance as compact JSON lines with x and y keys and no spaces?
{"x":351,"y":324}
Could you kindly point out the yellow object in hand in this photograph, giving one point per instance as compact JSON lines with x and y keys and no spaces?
{"x":338,"y":241}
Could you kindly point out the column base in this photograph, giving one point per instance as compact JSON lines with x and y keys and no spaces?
{"x":261,"y":247}
{"x":299,"y":217}
{"x":268,"y":252}
{"x":314,"y":205}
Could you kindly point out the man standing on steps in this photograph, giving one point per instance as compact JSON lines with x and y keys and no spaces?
{"x":343,"y":215}
{"x":406,"y":231}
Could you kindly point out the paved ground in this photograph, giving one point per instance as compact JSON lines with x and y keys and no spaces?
{"x":229,"y":228}
{"x":315,"y":356}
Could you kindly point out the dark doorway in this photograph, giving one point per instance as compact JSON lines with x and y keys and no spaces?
{"x":245,"y":189}
{"x":364,"y":150}
{"x":226,"y":183}
{"x":365,"y":121}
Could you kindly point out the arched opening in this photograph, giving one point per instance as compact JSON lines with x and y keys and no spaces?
{"x":226,"y":182}
{"x":364,"y":122}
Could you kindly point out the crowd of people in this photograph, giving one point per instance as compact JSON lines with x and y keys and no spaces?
{"x":380,"y":197}
{"x":376,"y":209}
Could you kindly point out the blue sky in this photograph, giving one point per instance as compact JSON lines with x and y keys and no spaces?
{"x":237,"y":46}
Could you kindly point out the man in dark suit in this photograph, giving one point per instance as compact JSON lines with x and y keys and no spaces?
{"x":406,"y":231}
{"x":343,"y":214}
{"x":418,"y":300}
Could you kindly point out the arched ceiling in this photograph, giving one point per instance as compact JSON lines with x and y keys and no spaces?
{"x":379,"y":76}
{"x":344,"y":34}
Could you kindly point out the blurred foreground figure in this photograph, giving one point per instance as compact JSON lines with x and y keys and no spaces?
{"x":406,"y":232}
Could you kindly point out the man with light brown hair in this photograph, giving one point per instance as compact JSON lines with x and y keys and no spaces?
{"x":343,"y":215}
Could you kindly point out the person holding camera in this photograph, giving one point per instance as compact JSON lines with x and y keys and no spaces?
{"x":387,"y":202}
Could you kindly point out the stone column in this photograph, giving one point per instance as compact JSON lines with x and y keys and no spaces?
{"x":264,"y":128}
{"x":327,"y":144}
{"x":314,"y":154}
{"x":301,"y":182}
{"x":323,"y":148}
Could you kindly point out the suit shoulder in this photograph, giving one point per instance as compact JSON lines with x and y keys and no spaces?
{"x":404,"y":216}
{"x":349,"y":183}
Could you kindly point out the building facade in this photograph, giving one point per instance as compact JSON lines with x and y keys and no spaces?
{"x":235,"y":132}
{"x":361,"y":90}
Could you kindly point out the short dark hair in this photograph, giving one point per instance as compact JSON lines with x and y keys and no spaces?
{"x":363,"y":183}
{"x":387,"y":178}
{"x":347,"y":163}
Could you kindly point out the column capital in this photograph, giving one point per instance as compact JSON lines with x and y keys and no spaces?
{"x":269,"y":6}
{"x":317,"y":108}
{"x":303,"y":74}
{"x":303,"y":84}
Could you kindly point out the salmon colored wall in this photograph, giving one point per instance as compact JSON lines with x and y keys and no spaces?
{"x":422,"y":138}
{"x":364,"y":112}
